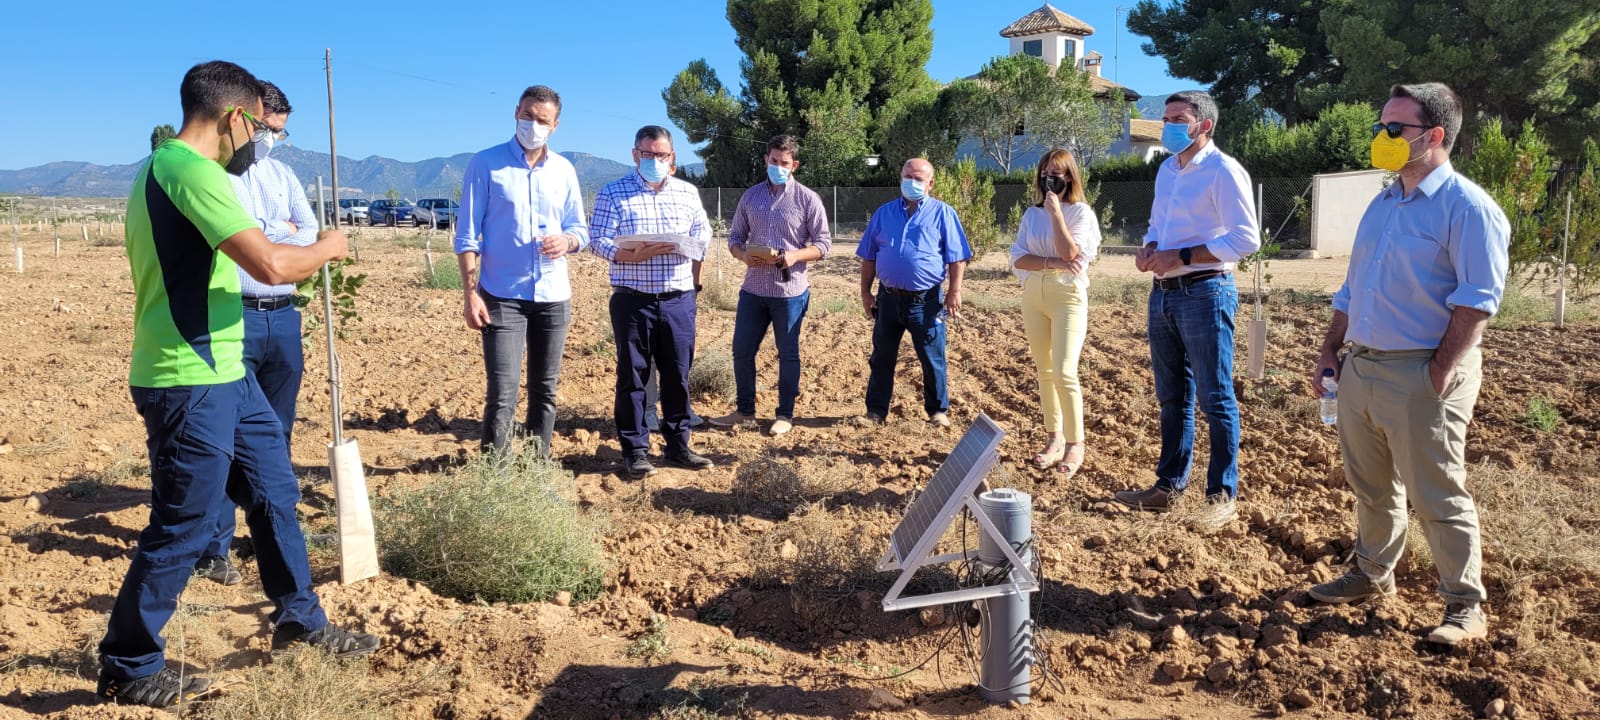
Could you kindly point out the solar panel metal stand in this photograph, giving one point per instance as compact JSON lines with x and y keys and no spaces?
{"x":952,"y":488}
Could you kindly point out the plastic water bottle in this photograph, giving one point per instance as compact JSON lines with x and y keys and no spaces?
{"x":1329,"y":404}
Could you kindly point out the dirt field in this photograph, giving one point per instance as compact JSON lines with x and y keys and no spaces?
{"x":1144,"y":617}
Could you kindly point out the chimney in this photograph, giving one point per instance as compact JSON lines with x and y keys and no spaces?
{"x":1091,"y":64}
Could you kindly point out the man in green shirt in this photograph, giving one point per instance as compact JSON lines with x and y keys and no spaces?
{"x":203,"y":414}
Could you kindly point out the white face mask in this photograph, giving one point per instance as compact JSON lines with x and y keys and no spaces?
{"x":532,"y":135}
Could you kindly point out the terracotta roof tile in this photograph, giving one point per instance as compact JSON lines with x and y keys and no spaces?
{"x":1045,"y":20}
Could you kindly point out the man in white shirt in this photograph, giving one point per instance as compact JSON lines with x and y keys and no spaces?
{"x":1202,"y":222}
{"x":521,"y":214}
{"x":271,"y":193}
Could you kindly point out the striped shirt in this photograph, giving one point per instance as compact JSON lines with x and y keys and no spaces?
{"x":627,"y":206}
{"x":270,"y":193}
{"x":786,"y":217}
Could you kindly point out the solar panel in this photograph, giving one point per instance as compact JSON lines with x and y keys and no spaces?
{"x":953,"y":477}
{"x":951,"y":488}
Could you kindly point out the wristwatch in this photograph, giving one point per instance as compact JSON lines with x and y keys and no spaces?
{"x":1186,"y":254}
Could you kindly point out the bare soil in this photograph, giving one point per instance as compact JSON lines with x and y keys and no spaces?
{"x":1143,"y":616}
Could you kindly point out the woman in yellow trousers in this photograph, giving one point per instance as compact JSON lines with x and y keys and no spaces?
{"x":1056,"y":241}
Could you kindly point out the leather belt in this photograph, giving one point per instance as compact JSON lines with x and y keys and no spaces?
{"x":1183,"y":281}
{"x":903,"y":293}
{"x":668,"y":295}
{"x":268,"y":303}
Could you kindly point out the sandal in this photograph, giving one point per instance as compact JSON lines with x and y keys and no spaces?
{"x":1073,"y":461}
{"x":1052,"y":454}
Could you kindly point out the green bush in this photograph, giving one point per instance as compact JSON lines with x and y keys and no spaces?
{"x":446,"y":275}
{"x":972,"y":196}
{"x":1517,"y":175}
{"x":500,"y":529}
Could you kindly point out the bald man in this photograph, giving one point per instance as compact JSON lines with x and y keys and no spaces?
{"x":911,"y":245}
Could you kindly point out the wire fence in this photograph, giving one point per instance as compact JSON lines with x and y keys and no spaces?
{"x":1124,"y":207}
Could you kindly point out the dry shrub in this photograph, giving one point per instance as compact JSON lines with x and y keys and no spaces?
{"x":711,"y":375}
{"x":1535,"y":525}
{"x":820,"y":556}
{"x":309,"y":684}
{"x":720,"y":294}
{"x":1542,"y":643}
{"x":1128,"y":292}
{"x":502,"y":528}
{"x":769,"y":486}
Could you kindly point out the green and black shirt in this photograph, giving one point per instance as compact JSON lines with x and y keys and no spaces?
{"x":188,"y":323}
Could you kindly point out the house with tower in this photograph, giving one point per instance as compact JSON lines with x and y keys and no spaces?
{"x":1061,"y":41}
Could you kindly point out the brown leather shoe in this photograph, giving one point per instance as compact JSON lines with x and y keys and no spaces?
{"x":1153,"y":499}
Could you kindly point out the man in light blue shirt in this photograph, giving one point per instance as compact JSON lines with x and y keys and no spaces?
{"x":521,"y":214}
{"x":270,"y":193}
{"x":910,"y":246}
{"x":1426,"y":273}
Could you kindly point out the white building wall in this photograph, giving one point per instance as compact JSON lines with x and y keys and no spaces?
{"x":1338,"y":201}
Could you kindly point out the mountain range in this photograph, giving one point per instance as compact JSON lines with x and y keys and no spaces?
{"x":372,"y":177}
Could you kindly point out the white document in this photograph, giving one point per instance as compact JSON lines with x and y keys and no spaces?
{"x":629,"y":242}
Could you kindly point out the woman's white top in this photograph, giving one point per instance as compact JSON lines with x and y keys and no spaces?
{"x":1036,"y":236}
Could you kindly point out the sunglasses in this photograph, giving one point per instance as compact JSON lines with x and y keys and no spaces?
{"x":1395,"y":128}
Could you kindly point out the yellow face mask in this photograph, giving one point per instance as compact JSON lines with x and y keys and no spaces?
{"x":1391,"y":153}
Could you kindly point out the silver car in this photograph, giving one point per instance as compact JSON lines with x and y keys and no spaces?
{"x":439,"y":212}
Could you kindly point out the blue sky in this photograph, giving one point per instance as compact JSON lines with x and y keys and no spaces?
{"x":420,"y":80}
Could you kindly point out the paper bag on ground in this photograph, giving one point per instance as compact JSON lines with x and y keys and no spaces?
{"x":358,"y":546}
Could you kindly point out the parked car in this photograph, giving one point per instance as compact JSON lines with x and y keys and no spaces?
{"x":436,"y":210}
{"x":390,"y":212}
{"x":352,"y":210}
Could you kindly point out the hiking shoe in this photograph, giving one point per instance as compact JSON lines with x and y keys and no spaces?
{"x":1462,"y":622}
{"x":780,"y":426}
{"x":341,"y":643}
{"x":689,"y":460}
{"x":1218,"y":511}
{"x":1353,"y":587}
{"x":870,"y":419}
{"x":733,"y":418}
{"x":639,"y":466}
{"x":941,"y":420}
{"x":219,"y":569}
{"x":162,"y":690}
{"x":1154,"y":499}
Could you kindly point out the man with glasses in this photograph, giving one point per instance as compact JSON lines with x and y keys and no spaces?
{"x":210,"y":432}
{"x":652,"y":229}
{"x":274,"y":197}
{"x":521,"y":215}
{"x":1427,"y":271}
{"x":1202,"y":222}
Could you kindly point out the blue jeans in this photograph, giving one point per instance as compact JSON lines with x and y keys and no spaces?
{"x":785,"y":315}
{"x":272,"y":353}
{"x":1191,"y":347}
{"x":211,"y":446}
{"x":922,"y":315}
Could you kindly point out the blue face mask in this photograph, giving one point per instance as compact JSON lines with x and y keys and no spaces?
{"x":653,"y":169}
{"x":1175,"y":137}
{"x":913,"y":190}
{"x":777,"y":174}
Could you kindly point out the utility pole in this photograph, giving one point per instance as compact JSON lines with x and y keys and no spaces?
{"x":1116,"y":48}
{"x":333,"y":148}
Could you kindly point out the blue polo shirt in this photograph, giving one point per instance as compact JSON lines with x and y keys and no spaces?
{"x":914,"y":250}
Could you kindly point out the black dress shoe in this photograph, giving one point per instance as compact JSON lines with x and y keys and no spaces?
{"x":689,"y":460}
{"x":639,"y":466}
